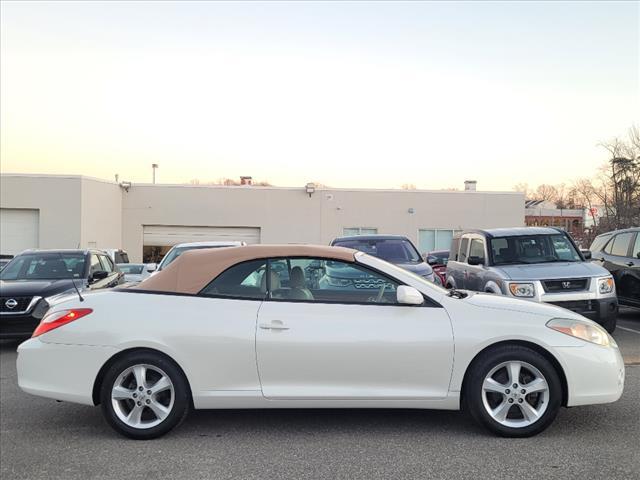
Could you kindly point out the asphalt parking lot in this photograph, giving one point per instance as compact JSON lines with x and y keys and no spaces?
{"x":41,"y":438}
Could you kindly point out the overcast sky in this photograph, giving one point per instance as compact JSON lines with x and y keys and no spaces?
{"x":348,"y":94}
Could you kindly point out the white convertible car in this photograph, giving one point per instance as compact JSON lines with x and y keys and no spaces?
{"x":296,"y":326}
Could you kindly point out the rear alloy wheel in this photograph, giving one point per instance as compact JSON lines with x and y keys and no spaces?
{"x":144,"y":395}
{"x":514,"y":391}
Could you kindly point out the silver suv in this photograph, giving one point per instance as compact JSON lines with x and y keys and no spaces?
{"x":533,"y":263}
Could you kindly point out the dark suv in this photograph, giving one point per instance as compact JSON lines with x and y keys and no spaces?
{"x":394,"y":249}
{"x":619,"y":252}
{"x":32,"y":280}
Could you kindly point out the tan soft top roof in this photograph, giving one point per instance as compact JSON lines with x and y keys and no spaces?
{"x":194,"y":269}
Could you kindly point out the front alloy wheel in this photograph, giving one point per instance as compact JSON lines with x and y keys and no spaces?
{"x":513,"y":390}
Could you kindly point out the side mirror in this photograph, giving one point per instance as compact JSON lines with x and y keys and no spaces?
{"x":475,"y":260}
{"x":409,"y":296}
{"x":432,"y":260}
{"x":586,"y":254}
{"x":151,"y":267}
{"x":99,"y":275}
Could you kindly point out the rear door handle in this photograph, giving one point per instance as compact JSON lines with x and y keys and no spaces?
{"x":630,"y":264}
{"x":274,"y":325}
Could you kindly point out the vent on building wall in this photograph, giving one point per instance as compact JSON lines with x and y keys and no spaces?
{"x":470,"y":185}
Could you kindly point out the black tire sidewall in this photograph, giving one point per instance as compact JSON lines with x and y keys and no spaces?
{"x":490,"y":359}
{"x":181,"y":401}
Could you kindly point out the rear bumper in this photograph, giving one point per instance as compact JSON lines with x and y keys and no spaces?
{"x":61,"y":372}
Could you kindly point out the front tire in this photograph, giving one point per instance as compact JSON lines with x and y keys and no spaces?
{"x":513,"y":391}
{"x":144,"y":395}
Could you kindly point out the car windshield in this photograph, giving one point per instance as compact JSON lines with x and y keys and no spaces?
{"x":175,"y":252}
{"x":45,"y":266}
{"x":130,"y":268}
{"x":394,"y":250}
{"x":533,"y":249}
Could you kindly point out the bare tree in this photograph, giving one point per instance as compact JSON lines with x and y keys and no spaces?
{"x":546,"y":192}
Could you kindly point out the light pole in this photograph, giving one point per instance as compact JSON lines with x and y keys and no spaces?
{"x":154,"y":166}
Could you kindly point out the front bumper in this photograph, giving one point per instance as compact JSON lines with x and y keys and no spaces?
{"x":599,"y":310}
{"x":61,"y":372}
{"x":18,"y":326}
{"x":594,"y":374}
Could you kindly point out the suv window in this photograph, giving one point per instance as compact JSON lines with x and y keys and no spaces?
{"x":107,"y":266}
{"x":244,"y":280}
{"x":477,"y":248}
{"x":329,"y":281}
{"x":599,"y":242}
{"x":96,"y":266}
{"x":620,"y":244}
{"x":121,"y":257}
{"x":533,"y":249}
{"x":635,"y":253}
{"x":462,"y":257}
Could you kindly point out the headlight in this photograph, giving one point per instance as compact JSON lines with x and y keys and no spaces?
{"x":582,"y":330}
{"x":522,"y":289}
{"x":606,"y":285}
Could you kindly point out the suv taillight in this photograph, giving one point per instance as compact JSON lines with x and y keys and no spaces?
{"x":57,"y":319}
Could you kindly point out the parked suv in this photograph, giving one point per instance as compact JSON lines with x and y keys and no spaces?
{"x":31,"y":279}
{"x":394,"y":249}
{"x":619,"y":252}
{"x":533,"y":263}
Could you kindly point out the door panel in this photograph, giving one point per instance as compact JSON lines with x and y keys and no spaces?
{"x":311,"y":350}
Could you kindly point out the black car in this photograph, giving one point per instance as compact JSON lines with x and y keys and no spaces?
{"x":619,"y":252}
{"x":30,"y":280}
{"x":394,"y":249}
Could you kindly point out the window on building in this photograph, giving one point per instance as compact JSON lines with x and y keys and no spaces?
{"x":353,"y":231}
{"x":430,"y":239}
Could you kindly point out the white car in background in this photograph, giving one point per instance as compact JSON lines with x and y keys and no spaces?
{"x":179,"y":249}
{"x":222,"y":328}
{"x":134,"y":273}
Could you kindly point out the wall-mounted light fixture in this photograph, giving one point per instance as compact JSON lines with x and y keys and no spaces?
{"x":411,"y":211}
{"x":126,"y":186}
{"x":310,"y":188}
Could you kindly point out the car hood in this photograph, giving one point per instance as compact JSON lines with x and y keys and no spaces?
{"x":548,"y":271}
{"x":422,"y":269}
{"x":488,"y":300}
{"x":40,"y":288}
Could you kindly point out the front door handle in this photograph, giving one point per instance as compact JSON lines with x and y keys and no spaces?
{"x":274,"y":325}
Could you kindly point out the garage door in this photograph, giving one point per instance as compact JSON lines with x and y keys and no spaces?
{"x":166,"y":235}
{"x":18,"y":230}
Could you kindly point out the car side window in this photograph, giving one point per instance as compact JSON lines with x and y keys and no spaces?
{"x":599,"y":242}
{"x":96,"y":266}
{"x":246,"y":280}
{"x":621,"y":243}
{"x":635,"y":253}
{"x":107,"y":266}
{"x":477,"y":249}
{"x":462,"y":256}
{"x":329,"y":281}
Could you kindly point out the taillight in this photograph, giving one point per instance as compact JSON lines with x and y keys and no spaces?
{"x":57,"y":319}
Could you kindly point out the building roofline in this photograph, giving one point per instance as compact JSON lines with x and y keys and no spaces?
{"x":261,"y":187}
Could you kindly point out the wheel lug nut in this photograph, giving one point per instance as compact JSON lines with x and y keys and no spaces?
{"x":511,"y":400}
{"x":523,"y":391}
{"x":148,"y":392}
{"x":140,"y":388}
{"x":139,"y":403}
{"x":519,"y":400}
{"x":507,"y":391}
{"x":515,"y":385}
{"x":135,"y":395}
{"x":148,"y":401}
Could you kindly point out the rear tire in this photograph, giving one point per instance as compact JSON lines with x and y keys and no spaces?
{"x":144,"y":395}
{"x":513,"y":391}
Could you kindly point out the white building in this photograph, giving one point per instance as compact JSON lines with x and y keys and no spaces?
{"x":70,"y":211}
